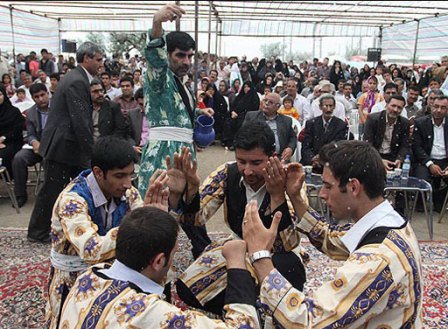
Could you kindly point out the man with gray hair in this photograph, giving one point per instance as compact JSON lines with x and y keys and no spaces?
{"x":339,"y":110}
{"x":67,"y":141}
{"x":322,"y":130}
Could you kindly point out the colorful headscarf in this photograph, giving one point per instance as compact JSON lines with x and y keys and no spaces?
{"x":371,"y":96}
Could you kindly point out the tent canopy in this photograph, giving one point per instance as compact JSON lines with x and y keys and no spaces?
{"x":45,"y":20}
{"x":277,"y":13}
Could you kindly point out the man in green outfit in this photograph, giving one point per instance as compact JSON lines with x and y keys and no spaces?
{"x":169,"y":104}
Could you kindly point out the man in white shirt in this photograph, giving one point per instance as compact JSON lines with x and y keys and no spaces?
{"x":379,"y":248}
{"x":347,"y":99}
{"x":300,"y":102}
{"x":430,"y":147}
{"x":389,"y":90}
{"x":111,"y":92}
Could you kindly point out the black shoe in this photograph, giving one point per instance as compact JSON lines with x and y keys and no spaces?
{"x":21,"y":200}
{"x":34,"y":240}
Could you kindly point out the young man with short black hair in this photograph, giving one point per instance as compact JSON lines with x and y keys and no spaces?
{"x":379,"y":285}
{"x":233,"y":185}
{"x":131,"y":290}
{"x":126,"y":100}
{"x":36,"y":120}
{"x":87,"y":216}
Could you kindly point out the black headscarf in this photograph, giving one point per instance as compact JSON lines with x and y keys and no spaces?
{"x":247,"y":102}
{"x":10,"y":117}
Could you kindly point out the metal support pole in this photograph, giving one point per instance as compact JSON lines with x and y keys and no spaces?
{"x":209,"y":27}
{"x":216,"y":38}
{"x":196,"y":38}
{"x":220,"y":38}
{"x":320,"y":48}
{"x":314,"y":39}
{"x":177,"y":19}
{"x":59,"y":36}
{"x":380,"y":36}
{"x":416,"y":43}
{"x":12,"y":33}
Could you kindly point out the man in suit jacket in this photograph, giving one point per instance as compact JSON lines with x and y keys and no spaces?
{"x":388,"y":132}
{"x":322,"y":130}
{"x":67,"y":141}
{"x":139,"y":123}
{"x":430,"y":147}
{"x":36,"y":120}
{"x":106,"y":115}
{"x":281,"y":125}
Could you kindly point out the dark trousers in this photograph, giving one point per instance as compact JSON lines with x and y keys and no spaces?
{"x":422,"y":172}
{"x":22,"y":160}
{"x":288,"y":264}
{"x":400,"y":201}
{"x":57,"y":176}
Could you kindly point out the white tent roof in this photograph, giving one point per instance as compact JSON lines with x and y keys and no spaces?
{"x":127,"y":15}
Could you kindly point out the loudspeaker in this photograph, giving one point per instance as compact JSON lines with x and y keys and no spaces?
{"x":68,"y":46}
{"x":373,"y":54}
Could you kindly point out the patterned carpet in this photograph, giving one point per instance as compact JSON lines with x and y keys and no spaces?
{"x":24,"y":268}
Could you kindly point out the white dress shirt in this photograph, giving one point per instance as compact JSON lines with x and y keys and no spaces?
{"x":338,"y":112}
{"x":438,"y":150}
{"x":382,"y":215}
{"x":119,"y":271}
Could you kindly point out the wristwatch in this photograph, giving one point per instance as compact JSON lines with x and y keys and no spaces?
{"x":259,"y":255}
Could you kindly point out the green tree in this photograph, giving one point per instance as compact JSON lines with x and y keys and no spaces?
{"x":99,"y":38}
{"x":276,"y":49}
{"x":124,"y":42}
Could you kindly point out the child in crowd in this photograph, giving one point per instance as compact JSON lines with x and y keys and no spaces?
{"x":288,"y":108}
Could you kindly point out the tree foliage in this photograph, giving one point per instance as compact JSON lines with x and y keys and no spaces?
{"x":276,"y":49}
{"x":99,"y":38}
{"x":124,"y":42}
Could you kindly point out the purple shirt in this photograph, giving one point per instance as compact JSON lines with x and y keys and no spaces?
{"x":145,"y":131}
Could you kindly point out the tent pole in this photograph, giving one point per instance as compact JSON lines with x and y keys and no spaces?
{"x":12,"y":33}
{"x":209,"y":27}
{"x":196,"y":37}
{"x":59,"y":36}
{"x":220,"y":37}
{"x":177,"y":19}
{"x":380,"y":37}
{"x":416,"y":43}
{"x":216,"y":39}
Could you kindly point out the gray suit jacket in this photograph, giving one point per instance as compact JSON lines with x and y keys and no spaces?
{"x":136,"y":118}
{"x":68,"y":135}
{"x":33,"y":125}
{"x":285,"y":132}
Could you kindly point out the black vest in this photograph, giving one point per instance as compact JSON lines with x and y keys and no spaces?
{"x":235,"y":198}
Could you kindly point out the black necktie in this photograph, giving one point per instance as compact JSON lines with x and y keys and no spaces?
{"x":325,"y":127}
{"x":185,"y":98}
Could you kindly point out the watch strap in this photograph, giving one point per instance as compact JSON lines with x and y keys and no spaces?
{"x":259,"y":255}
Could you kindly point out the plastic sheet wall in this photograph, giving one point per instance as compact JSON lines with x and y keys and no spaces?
{"x":399,"y":40}
{"x":31,"y":32}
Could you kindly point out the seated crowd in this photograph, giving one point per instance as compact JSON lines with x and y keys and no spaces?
{"x":112,"y":246}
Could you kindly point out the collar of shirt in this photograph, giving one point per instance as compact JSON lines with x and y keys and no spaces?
{"x":434,"y":124}
{"x":89,"y":76}
{"x":387,"y":121}
{"x":43,"y":112}
{"x":119,"y":271}
{"x":98,"y":196}
{"x":324,"y":122}
{"x":254,"y":195}
{"x":270,"y":119}
{"x":382,"y":215}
